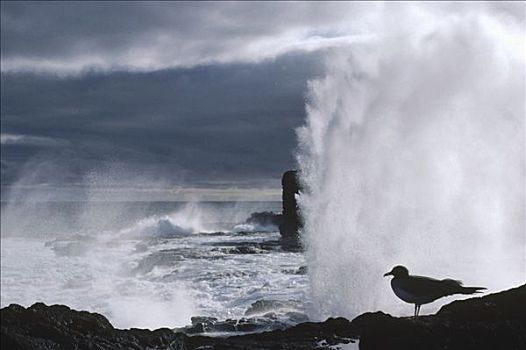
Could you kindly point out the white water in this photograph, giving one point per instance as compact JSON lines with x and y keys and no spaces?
{"x":145,"y":271}
{"x":413,"y":154}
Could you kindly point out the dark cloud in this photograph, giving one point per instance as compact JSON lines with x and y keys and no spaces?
{"x":222,"y":123}
{"x":71,"y":37}
{"x":195,"y":92}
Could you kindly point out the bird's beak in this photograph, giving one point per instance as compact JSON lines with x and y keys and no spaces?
{"x":388,"y":274}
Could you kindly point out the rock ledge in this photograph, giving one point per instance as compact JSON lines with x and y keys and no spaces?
{"x":495,"y":321}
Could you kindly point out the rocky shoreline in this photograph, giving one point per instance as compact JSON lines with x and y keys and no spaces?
{"x":495,"y":321}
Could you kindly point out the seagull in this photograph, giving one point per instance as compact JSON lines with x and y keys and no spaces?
{"x":421,"y":290}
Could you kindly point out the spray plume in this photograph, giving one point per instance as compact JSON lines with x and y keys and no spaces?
{"x":413,"y":153}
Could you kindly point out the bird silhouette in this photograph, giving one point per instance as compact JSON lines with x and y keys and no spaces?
{"x":421,"y":290}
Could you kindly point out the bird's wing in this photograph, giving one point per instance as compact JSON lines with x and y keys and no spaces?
{"x":421,"y":285}
{"x":450,"y":286}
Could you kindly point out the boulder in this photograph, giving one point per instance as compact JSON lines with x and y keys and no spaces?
{"x":264,"y":218}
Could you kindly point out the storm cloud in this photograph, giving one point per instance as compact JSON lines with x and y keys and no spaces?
{"x":201,"y":94}
{"x":75,"y":37}
{"x":72,"y":37}
{"x":224,"y":124}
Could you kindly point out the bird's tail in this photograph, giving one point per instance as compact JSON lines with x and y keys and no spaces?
{"x":456,"y":287}
{"x":471,"y":290}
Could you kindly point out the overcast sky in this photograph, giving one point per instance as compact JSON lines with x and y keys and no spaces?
{"x":187,"y":94}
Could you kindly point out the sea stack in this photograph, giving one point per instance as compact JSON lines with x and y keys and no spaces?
{"x":291,"y":219}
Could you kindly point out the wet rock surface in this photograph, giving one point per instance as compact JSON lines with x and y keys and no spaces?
{"x":291,"y":221}
{"x":265,"y":218}
{"x":260,"y":323}
{"x":59,"y":327}
{"x":264,"y":306}
{"x":495,"y":321}
{"x":246,"y":247}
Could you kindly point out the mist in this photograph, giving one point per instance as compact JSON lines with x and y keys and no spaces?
{"x":413,"y":153}
{"x":85,"y":246}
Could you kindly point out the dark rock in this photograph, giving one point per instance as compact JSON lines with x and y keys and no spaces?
{"x":240,"y":250}
{"x":58,"y":327}
{"x":246,"y":247}
{"x":308,"y":335}
{"x":168,"y":258}
{"x":495,"y":321}
{"x":202,"y":319}
{"x":304,"y":336}
{"x":260,"y":320}
{"x":263,"y":306}
{"x":509,"y":304}
{"x":264,"y":218}
{"x":297,"y":317}
{"x":216,"y":233}
{"x":200,"y":324}
{"x":291,"y":220}
{"x":302,"y":270}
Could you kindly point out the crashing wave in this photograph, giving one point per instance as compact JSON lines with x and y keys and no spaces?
{"x":246,"y":227}
{"x":164,"y":227}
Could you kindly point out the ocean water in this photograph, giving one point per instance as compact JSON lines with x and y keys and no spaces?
{"x":148,"y":264}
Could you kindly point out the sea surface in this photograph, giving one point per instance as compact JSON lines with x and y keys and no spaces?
{"x":151,"y":264}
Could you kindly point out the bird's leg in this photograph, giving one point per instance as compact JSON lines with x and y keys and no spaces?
{"x":415,"y":311}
